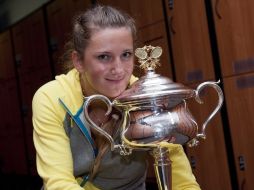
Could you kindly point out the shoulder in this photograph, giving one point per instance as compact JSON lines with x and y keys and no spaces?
{"x":65,"y":87}
{"x":133,"y":79}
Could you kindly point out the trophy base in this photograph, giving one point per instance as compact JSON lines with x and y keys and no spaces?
{"x":162,"y":168}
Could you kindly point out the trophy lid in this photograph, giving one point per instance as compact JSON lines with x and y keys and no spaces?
{"x":153,"y":86}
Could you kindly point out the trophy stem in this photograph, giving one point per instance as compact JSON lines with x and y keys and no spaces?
{"x":162,"y":168}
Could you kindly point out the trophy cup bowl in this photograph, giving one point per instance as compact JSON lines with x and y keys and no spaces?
{"x":154,"y":111}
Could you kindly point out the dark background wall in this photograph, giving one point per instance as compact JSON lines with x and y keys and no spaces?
{"x":12,"y":11}
{"x":201,"y":39}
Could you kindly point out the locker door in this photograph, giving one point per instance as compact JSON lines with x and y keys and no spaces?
{"x":146,"y":12}
{"x":75,"y":6}
{"x":155,"y":35}
{"x":209,"y":159}
{"x":59,"y":18}
{"x":21,"y":40}
{"x":30,"y":44}
{"x":6,"y":58}
{"x":29,"y":84}
{"x":190,"y":41}
{"x":59,"y":25}
{"x":38,"y":44}
{"x":239,"y":92}
{"x":12,"y":148}
{"x":234,"y":30}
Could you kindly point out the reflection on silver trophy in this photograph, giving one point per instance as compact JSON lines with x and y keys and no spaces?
{"x":154,"y":110}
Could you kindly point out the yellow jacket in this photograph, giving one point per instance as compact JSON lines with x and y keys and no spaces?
{"x":54,"y":158}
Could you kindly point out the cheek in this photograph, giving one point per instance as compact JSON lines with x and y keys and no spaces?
{"x":93,"y":74}
{"x":94,"y":69}
{"x":129,"y":67}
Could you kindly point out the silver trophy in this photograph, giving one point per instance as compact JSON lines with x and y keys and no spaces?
{"x":154,"y":112}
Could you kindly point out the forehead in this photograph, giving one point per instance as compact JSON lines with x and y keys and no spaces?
{"x":110,"y":36}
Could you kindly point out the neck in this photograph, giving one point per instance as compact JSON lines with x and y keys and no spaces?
{"x":87,"y":89}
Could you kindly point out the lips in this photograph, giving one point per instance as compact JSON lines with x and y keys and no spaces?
{"x":116,"y":78}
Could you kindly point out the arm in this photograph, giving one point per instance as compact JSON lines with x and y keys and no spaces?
{"x":54,"y":159}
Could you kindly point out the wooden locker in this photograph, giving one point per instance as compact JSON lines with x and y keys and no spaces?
{"x":38,"y":44}
{"x":29,"y":84}
{"x":76,"y":6}
{"x":145,"y":12}
{"x":6,"y":59}
{"x":209,"y":159}
{"x":239,"y":92}
{"x":32,"y":60}
{"x":234,"y":30}
{"x":189,"y":33}
{"x":59,"y":18}
{"x":12,"y":148}
{"x":21,"y":40}
{"x":30,"y":44}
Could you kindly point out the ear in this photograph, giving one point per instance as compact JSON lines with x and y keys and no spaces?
{"x":77,"y":62}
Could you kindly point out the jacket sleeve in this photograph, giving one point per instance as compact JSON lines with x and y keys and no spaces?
{"x":53,"y":154}
{"x":182,"y":176}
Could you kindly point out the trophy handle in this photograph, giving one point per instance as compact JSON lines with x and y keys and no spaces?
{"x":88,"y":100}
{"x":217,"y":108}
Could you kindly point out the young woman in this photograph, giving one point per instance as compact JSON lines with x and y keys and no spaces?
{"x":70,"y":155}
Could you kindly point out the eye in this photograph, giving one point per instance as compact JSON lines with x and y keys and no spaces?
{"x":126,"y":55}
{"x":104,"y":57}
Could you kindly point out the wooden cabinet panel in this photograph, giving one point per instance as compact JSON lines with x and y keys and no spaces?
{"x":209,"y":159}
{"x":30,"y":44}
{"x":6,"y":58}
{"x":38,"y":45}
{"x":59,"y":25}
{"x":29,"y":84}
{"x":239,"y":92}
{"x":21,"y":40}
{"x":155,"y":35}
{"x":32,"y":61}
{"x":145,"y":12}
{"x":59,"y":18}
{"x":190,"y":41}
{"x":234,"y":30}
{"x":12,"y":146}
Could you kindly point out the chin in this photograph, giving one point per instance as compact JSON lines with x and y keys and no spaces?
{"x":115,"y":93}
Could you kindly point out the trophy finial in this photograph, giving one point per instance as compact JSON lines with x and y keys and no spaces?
{"x":148,"y":57}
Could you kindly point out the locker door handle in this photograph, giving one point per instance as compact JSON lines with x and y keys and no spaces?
{"x":53,"y":44}
{"x":170,"y":4}
{"x":24,"y":110}
{"x":18,"y":60}
{"x":193,"y":162}
{"x":241,"y":163}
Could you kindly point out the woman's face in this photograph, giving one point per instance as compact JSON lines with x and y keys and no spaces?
{"x":108,"y":62}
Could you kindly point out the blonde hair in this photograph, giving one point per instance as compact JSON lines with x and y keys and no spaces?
{"x":112,"y":127}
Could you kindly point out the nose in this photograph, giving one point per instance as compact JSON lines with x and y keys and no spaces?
{"x":117,"y":67}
